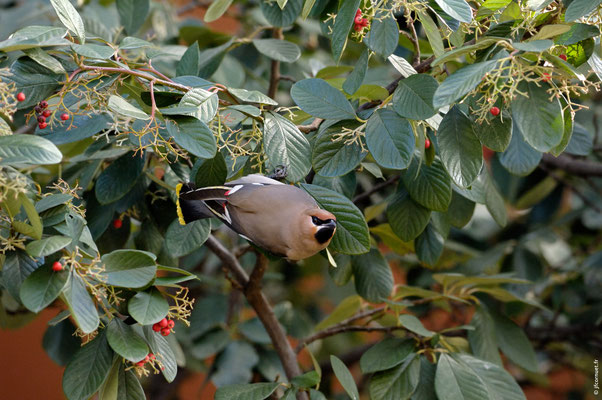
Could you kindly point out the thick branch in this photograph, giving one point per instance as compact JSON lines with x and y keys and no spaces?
{"x":573,"y":166}
{"x":252,"y":289}
{"x":311,"y":127}
{"x":275,"y":68}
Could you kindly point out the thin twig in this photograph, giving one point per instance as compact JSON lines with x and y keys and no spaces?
{"x":571,"y":187}
{"x":311,"y":127}
{"x":414,"y":38}
{"x":142,"y":75}
{"x":362,"y":196}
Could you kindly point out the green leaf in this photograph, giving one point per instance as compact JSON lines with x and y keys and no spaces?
{"x":216,"y":10}
{"x":32,"y":37}
{"x":28,"y":149}
{"x":580,"y":8}
{"x":121,"y":384}
{"x":455,"y":381}
{"x":494,"y":133}
{"x":128,"y":268}
{"x":413,"y":324}
{"x":515,"y":344}
{"x":252,"y":96}
{"x":332,"y":158}
{"x":495,"y":203}
{"x":342,"y":26}
{"x":125,"y":341}
{"x":161,"y":349}
{"x":457,"y":9}
{"x":460,"y":210}
{"x":576,"y":33}
{"x":70,"y":18}
{"x":181,"y":240}
{"x":84,"y":126}
{"x":252,"y":391}
{"x":535,"y":46}
{"x":413,"y":97}
{"x":344,"y":377}
{"x":88,"y":369}
{"x":276,"y":49}
{"x":459,"y":148}
{"x":357,"y":75}
{"x":520,"y":158}
{"x":83,"y":309}
{"x":148,"y":307}
{"x":566,"y":135}
{"x":284,"y":144}
{"x":45,"y":247}
{"x":481,"y":43}
{"x":429,"y":185}
{"x":212,"y":172}
{"x":37,"y":82}
{"x":132,"y":14}
{"x":406,"y":217}
{"x":130,"y":43}
{"x":539,"y":119}
{"x":432,"y":33}
{"x":17,"y":267}
{"x":119,"y":178}
{"x":383,"y":35}
{"x":94,"y":51}
{"x":426,"y":389}
{"x":193,"y":135}
{"x":318,"y":98}
{"x":345,"y":309}
{"x":41,"y":288}
{"x":429,"y":245}
{"x":386,"y":354}
{"x":121,"y":106}
{"x":373,"y":276}
{"x":33,"y":217}
{"x":461,"y":82}
{"x":190,"y":63}
{"x":306,"y":380}
{"x":397,"y":383}
{"x":581,"y":142}
{"x":203,"y":101}
{"x":352,"y":236}
{"x":499,"y":383}
{"x":45,"y":60}
{"x":390,"y":139}
{"x":578,"y":53}
{"x":281,"y":17}
{"x":483,"y":339}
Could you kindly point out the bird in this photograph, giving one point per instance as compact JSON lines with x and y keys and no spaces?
{"x":282,"y":219}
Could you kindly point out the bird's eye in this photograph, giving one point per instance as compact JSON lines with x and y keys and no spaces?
{"x":316,"y":221}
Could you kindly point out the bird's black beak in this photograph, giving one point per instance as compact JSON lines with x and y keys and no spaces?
{"x":326,"y":231}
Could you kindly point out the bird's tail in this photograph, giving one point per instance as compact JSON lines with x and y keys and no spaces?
{"x":193,"y":204}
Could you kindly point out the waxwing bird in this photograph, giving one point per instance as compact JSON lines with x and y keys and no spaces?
{"x":282,"y":219}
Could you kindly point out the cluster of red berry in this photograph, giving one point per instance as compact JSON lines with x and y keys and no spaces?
{"x":359,"y":22}
{"x":42,"y":112}
{"x":57,"y":266}
{"x":149,"y":357}
{"x":164,"y":326}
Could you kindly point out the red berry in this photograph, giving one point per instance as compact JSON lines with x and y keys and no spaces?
{"x":495,"y":111}
{"x":546,"y":77}
{"x":43,"y":104}
{"x":156,"y":328}
{"x":358,"y":12}
{"x":170,"y":324}
{"x":358,"y":27}
{"x":64,"y":116}
{"x":427,"y":143}
{"x":37,"y":109}
{"x":46,"y":113}
{"x":57,"y":266}
{"x":21,"y":96}
{"x":140,"y":364}
{"x":41,"y":119}
{"x":563,"y":57}
{"x":151,"y":356}
{"x":42,"y":125}
{"x":358,"y":19}
{"x":146,"y":359}
{"x":364,"y":22}
{"x":163,"y":323}
{"x":117,"y":223}
{"x":165,"y":331}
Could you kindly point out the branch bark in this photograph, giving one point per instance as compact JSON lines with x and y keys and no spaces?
{"x":251,"y":287}
{"x":573,"y":166}
{"x":275,"y":68}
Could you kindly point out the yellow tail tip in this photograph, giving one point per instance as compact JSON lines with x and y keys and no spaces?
{"x":179,"y":209}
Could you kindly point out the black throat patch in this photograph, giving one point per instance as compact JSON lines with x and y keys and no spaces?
{"x":324,"y":234}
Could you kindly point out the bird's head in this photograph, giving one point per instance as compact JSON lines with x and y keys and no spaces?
{"x":323,"y":225}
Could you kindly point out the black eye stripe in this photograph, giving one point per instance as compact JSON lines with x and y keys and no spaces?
{"x":317,"y":221}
